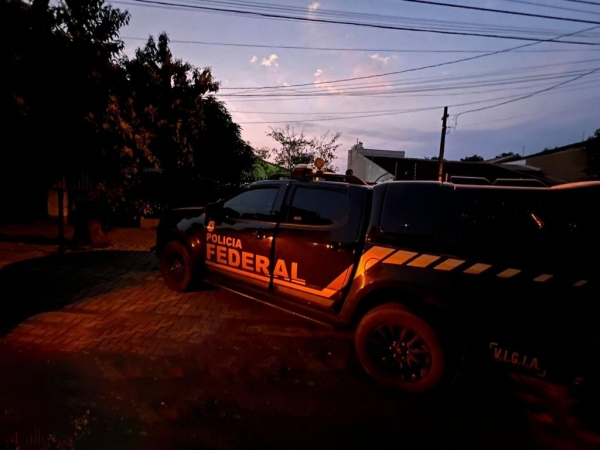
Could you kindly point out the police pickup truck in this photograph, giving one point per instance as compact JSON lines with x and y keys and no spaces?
{"x":430,"y":275}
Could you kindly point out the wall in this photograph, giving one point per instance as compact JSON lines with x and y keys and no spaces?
{"x":568,"y":165}
{"x":366,"y":169}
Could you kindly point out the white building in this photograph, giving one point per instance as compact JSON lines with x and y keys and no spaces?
{"x":361,"y":164}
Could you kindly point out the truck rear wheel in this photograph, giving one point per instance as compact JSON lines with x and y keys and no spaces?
{"x":400,"y":349}
{"x":176,"y":266}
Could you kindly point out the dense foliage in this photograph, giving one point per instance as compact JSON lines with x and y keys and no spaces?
{"x":73,"y":104}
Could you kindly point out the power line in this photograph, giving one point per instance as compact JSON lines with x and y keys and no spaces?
{"x":531,"y":94}
{"x":312,"y":113}
{"x":377,"y":18}
{"x":393,"y":113}
{"x":327,"y":13}
{"x":430,"y":66}
{"x":439,"y":90}
{"x":574,"y":87}
{"x":404,"y":111}
{"x":345,"y":49}
{"x":281,"y":113}
{"x":543,"y":113}
{"x":502,"y":11}
{"x":414,"y":86}
{"x":436,"y":88}
{"x":583,"y":1}
{"x":544,"y":5}
{"x":512,"y":99}
{"x":265,"y":15}
{"x":428,"y":80}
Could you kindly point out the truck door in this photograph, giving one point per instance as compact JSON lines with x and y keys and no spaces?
{"x":239,"y":242}
{"x":316,"y":243}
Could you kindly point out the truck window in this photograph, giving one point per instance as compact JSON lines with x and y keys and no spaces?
{"x":254,"y":204}
{"x":507,"y":223}
{"x":318,"y":207}
{"x":410,"y":209}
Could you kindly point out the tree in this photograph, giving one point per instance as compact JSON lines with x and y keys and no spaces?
{"x":593,"y":148}
{"x":74,"y":104}
{"x":262,"y":168}
{"x":194,"y":138}
{"x":295,"y":148}
{"x":502,"y":155}
{"x":64,"y":108}
{"x":474,"y":158}
{"x":167,"y":96}
{"x":221,"y":156}
{"x":262,"y":153}
{"x":324,"y":147}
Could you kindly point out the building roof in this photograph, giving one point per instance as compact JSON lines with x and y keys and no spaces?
{"x":427,"y":169}
{"x":521,"y":167}
{"x":381,"y":153}
{"x":505,"y":159}
{"x":558,"y":149}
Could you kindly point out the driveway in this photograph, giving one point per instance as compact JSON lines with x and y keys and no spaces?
{"x":96,"y":350}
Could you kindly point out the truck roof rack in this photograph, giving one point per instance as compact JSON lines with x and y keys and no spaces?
{"x":525,"y":182}
{"x":478,"y":181}
{"x":305,"y":172}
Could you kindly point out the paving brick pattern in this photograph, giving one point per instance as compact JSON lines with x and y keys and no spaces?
{"x":20,"y":242}
{"x":111,"y":307}
{"x":116,"y":302}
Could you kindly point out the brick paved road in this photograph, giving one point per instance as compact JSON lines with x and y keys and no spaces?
{"x":100,"y":332}
{"x":115,"y":302}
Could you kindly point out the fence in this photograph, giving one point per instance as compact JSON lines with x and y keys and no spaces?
{"x":35,"y":440}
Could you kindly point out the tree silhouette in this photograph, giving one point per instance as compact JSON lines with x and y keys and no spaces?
{"x":593,"y":147}
{"x":295,"y":148}
{"x":474,"y":158}
{"x":504,"y":154}
{"x":73,"y":104}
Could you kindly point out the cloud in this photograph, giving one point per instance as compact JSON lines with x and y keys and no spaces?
{"x":270,"y":61}
{"x":318,"y":73}
{"x":314,"y":6}
{"x":286,"y":84}
{"x":378,"y":57}
{"x":254,"y":59}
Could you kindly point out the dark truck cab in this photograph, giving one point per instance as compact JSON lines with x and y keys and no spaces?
{"x":429,"y":274}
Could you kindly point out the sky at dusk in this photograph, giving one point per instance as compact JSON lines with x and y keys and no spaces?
{"x":554,"y":118}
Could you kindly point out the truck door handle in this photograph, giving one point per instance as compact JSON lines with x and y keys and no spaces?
{"x":259,"y":234}
{"x":335,"y":246}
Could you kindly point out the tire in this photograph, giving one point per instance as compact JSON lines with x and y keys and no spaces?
{"x":176,"y":266}
{"x":401,"y":350}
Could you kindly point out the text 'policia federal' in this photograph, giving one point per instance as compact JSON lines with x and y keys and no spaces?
{"x":228,"y":251}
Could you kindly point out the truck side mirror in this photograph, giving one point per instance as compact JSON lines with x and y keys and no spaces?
{"x":214,"y":211}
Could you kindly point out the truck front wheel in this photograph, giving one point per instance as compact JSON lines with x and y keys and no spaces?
{"x":399,"y":349}
{"x":176,"y":266}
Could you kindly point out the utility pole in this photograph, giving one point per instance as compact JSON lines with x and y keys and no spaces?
{"x":442,"y":145}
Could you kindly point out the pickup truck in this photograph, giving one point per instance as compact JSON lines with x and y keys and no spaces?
{"x":430,"y":275}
